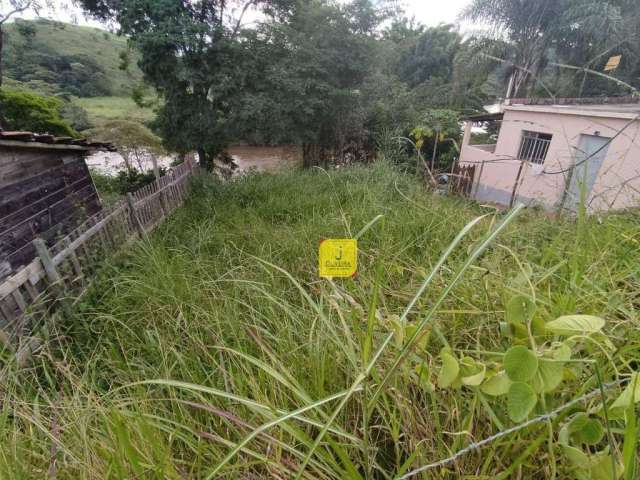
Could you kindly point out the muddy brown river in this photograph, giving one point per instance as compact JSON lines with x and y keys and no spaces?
{"x":266,"y":158}
{"x":248,"y":158}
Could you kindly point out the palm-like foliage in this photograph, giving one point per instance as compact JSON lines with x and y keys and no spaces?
{"x":533,"y":34}
{"x":528,"y":26}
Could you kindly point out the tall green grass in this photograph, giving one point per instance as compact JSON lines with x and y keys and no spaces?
{"x":104,"y":109}
{"x":215,"y":351}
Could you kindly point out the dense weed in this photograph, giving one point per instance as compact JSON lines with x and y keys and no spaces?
{"x":187,"y":344}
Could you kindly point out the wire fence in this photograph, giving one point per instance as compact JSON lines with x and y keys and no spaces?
{"x":472,"y":447}
{"x":67,"y":265}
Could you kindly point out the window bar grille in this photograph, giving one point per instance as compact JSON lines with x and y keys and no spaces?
{"x":533,"y":148}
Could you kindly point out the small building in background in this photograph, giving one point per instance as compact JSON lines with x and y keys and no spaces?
{"x":557,"y":153}
{"x":45,"y":191}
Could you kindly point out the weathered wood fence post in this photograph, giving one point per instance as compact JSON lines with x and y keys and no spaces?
{"x":134,"y":215}
{"x":156,"y":173}
{"x":47,"y":261}
{"x":474,"y":191}
{"x":156,"y":170}
{"x":58,"y":287}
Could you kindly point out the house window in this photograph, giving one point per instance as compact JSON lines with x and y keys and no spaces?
{"x":534,"y":147}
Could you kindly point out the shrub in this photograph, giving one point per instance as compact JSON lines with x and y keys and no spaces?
{"x":132,"y":180}
{"x":76,"y":116}
{"x":31,"y":112}
{"x":114,"y":188}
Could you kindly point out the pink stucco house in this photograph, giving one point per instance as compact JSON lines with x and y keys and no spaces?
{"x":558,"y":154}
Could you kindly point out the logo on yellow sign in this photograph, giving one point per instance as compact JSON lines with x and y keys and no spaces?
{"x":338,"y":258}
{"x":613,"y":63}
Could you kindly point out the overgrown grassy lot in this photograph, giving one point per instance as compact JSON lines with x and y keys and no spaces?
{"x":186,"y":345}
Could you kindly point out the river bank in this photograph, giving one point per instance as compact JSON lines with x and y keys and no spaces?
{"x":247,"y":158}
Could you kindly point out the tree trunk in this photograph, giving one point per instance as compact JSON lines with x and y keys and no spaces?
{"x":125,"y":153}
{"x":206,"y":162}
{"x":307,"y":160}
{"x":1,"y":47}
{"x":313,"y":155}
{"x":435,"y":151}
{"x":3,"y":122}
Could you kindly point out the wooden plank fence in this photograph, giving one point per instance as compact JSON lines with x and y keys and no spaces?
{"x":65,"y":266}
{"x":462,"y":179}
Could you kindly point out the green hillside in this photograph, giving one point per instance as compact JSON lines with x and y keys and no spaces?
{"x":59,"y":58}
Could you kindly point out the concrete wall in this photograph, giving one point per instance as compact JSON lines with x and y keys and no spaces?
{"x":617,"y":186}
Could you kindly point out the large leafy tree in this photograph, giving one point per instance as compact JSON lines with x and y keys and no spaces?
{"x":191,"y":53}
{"x":429,"y":57}
{"x":311,"y":71}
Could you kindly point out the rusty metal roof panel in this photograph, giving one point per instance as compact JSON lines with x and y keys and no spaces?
{"x":29,"y":138}
{"x":17,"y":135}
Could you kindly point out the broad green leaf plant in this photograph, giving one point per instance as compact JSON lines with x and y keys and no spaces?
{"x":528,"y":377}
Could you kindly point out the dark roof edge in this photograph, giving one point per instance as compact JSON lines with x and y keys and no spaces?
{"x":575,"y":101}
{"x":483,"y":117}
{"x":55,"y":146}
{"x":37,"y":140}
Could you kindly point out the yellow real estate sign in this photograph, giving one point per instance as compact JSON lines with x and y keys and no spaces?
{"x":338,"y":258}
{"x":613,"y":63}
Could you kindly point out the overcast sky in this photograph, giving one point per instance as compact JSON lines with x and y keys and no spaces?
{"x":433,"y":12}
{"x":428,"y":12}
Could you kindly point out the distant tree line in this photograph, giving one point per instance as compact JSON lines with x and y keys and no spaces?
{"x":331,"y":77}
{"x":339,"y":78}
{"x":313,"y":72}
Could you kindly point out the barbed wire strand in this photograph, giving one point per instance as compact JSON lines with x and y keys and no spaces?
{"x":483,"y":443}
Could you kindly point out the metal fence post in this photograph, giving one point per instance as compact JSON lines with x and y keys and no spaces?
{"x":515,"y":185}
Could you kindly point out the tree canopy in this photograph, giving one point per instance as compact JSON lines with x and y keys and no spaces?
{"x":191,"y":52}
{"x":312,"y":72}
{"x":332,"y":75}
{"x":548,"y":46}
